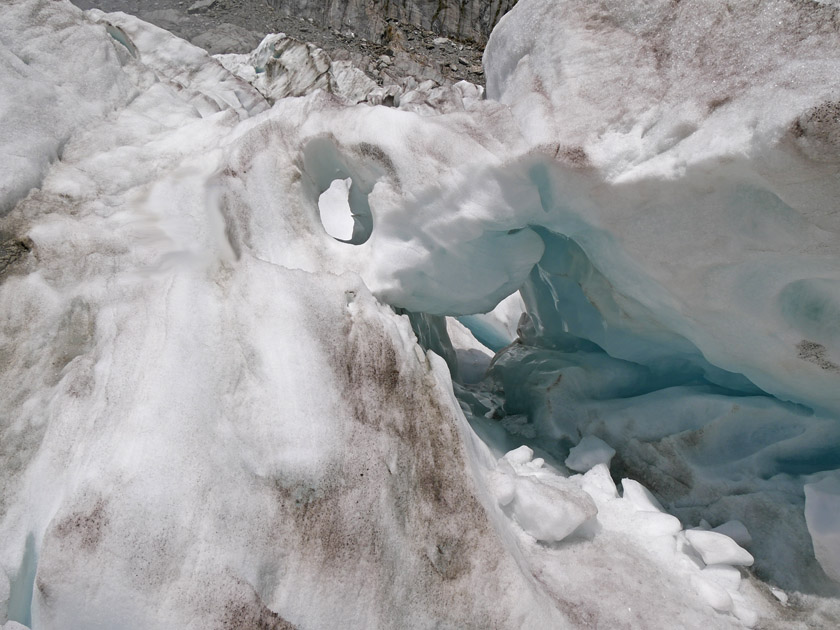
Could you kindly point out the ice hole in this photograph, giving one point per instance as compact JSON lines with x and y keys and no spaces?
{"x":342,"y":180}
{"x":335,"y":211}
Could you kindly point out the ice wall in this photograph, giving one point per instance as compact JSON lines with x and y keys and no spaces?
{"x":688,"y":287}
{"x":696,"y":166}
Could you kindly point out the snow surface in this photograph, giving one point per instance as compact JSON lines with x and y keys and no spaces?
{"x":215,"y":414}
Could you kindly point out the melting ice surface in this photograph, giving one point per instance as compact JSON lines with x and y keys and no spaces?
{"x":570,"y":359}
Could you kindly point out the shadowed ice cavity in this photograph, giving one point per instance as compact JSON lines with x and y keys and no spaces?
{"x":559,"y":382}
{"x":572,"y":306}
{"x":708,"y":442}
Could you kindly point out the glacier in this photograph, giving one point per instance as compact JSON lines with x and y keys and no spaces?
{"x":284,"y":348}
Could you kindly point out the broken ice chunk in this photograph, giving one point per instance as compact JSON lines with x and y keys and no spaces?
{"x":716,"y":548}
{"x":780,"y":595}
{"x":589,"y":452}
{"x":547,"y":512}
{"x":520,"y":456}
{"x":655,"y":524}
{"x":545,"y":505}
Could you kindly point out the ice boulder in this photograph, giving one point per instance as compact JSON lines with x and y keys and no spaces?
{"x":597,"y":482}
{"x":716,"y":548}
{"x":520,"y":456}
{"x":589,"y":452}
{"x":545,"y":505}
{"x":549,"y":512}
{"x":822,"y":514}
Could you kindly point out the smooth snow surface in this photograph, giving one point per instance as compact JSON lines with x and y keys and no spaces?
{"x":282,"y":348}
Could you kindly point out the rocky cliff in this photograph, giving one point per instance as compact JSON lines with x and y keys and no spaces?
{"x":464,"y":19}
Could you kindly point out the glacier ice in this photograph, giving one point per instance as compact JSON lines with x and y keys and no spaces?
{"x":217,"y":414}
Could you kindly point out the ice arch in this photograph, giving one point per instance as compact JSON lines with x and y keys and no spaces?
{"x":324,"y":164}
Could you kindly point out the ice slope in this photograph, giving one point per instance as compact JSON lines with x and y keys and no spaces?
{"x":213,"y":416}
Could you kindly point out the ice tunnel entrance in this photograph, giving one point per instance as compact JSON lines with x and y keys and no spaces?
{"x":335,"y":211}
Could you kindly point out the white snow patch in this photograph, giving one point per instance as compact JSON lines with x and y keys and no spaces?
{"x":334,"y":209}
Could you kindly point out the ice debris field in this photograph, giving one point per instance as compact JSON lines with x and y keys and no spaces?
{"x":282,"y":348}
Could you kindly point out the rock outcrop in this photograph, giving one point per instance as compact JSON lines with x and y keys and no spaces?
{"x":468,"y":19}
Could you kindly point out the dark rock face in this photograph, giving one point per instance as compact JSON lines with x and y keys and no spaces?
{"x":467,"y":19}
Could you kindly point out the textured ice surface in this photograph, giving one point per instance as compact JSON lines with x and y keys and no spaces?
{"x":281,"y":66}
{"x":215,"y":414}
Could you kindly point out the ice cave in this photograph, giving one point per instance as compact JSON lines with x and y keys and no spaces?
{"x":287,"y":345}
